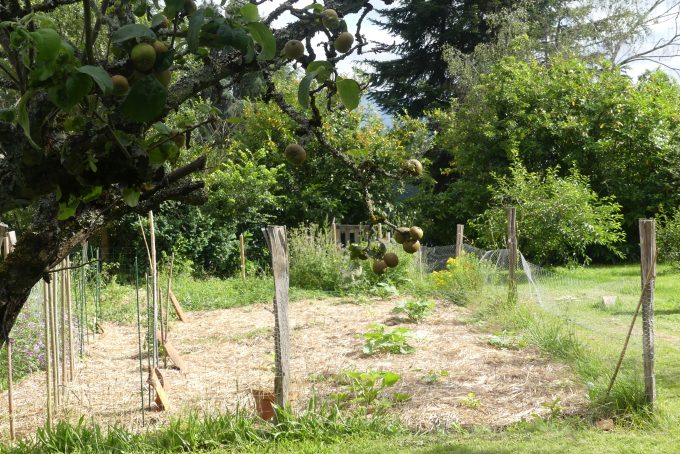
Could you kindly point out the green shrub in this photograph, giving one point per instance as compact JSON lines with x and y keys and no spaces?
{"x":315,"y":261}
{"x":463,"y":276}
{"x":558,"y":218}
{"x":668,"y":237}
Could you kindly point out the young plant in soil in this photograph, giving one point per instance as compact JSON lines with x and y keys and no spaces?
{"x":366,"y":389}
{"x":381,"y":339}
{"x":415,"y":310}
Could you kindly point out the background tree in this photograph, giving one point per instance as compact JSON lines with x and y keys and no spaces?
{"x":417,"y":79}
{"x":622,"y":135}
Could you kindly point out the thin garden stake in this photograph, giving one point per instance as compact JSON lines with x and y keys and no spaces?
{"x":69,"y":318}
{"x":139,"y":340}
{"x":647,"y":283}
{"x":167,"y":296}
{"x":154,"y":288}
{"x":149,"y":341}
{"x":48,"y":353}
{"x":62,"y":321}
{"x":98,"y":303}
{"x":10,"y":396}
{"x":54,"y":342}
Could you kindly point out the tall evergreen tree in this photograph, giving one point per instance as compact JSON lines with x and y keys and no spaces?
{"x":417,"y":79}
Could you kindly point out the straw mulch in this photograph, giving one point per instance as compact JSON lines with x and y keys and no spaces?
{"x":230,"y":352}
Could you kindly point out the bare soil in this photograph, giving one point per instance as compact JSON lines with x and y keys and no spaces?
{"x":230,"y":352}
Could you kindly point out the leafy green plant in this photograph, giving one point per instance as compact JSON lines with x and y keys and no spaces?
{"x":432,"y":377}
{"x":462,"y":277}
{"x":506,"y":341}
{"x":381,"y":339}
{"x":554,"y":406}
{"x":415,"y":310}
{"x":315,"y":262}
{"x":471,"y":401}
{"x":366,"y":388}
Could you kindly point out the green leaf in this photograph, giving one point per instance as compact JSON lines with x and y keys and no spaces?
{"x":172,"y":7}
{"x":162,"y":128}
{"x":100,"y":76}
{"x":68,"y":209}
{"x":264,"y":36}
{"x":195,"y":24}
{"x":47,"y":44}
{"x":303,"y":89}
{"x":131,"y":196}
{"x":157,"y":19}
{"x":92,"y":194}
{"x":324,"y":68}
{"x":145,"y":101}
{"x":22,"y":116}
{"x":350,"y":93}
{"x":156,"y":156}
{"x":132,"y":31}
{"x":390,"y":378}
{"x":249,"y":12}
{"x":218,"y":33}
{"x":70,"y":91}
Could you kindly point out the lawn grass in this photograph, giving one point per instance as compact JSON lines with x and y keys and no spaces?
{"x":119,"y":301}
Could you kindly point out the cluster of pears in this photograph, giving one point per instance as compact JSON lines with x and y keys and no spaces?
{"x":143,"y":57}
{"x":381,"y":258}
{"x":294,"y":49}
{"x":409,"y":238}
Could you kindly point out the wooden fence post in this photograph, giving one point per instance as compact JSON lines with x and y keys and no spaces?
{"x":459,"y":239}
{"x":242,"y":246}
{"x":278,"y":245}
{"x":512,"y":254}
{"x":648,"y":273}
{"x":10,"y":395}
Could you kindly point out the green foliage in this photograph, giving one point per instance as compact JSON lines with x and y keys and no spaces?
{"x":415,"y":310}
{"x":432,"y":377}
{"x":463,"y":277}
{"x":381,"y":339}
{"x":619,"y":134}
{"x":366,"y":389}
{"x":315,"y":261}
{"x":558,"y":219}
{"x":668,"y":237}
{"x":200,"y":433}
{"x":471,"y":401}
{"x":506,"y":341}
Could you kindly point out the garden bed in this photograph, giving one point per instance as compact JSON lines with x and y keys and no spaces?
{"x":454,"y":377}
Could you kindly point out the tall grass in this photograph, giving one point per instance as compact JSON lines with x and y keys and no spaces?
{"x":199,"y":433}
{"x":315,"y":261}
{"x":557,"y":338}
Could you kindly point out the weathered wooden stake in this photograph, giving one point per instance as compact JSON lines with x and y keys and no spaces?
{"x":512,"y":254}
{"x":459,"y":239}
{"x":242,"y":246}
{"x":334,"y":233}
{"x":10,"y":386}
{"x":278,"y":245}
{"x":154,"y":288}
{"x":648,"y":268}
